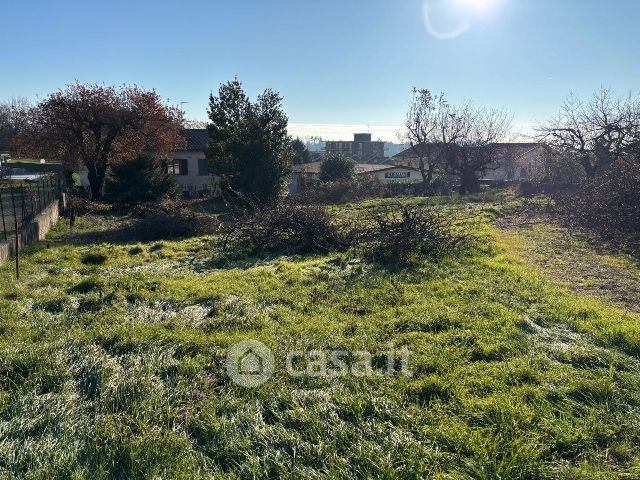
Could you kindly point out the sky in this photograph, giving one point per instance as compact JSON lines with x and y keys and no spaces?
{"x":340,"y":65}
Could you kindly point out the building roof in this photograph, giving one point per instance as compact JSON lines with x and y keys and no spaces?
{"x":197,"y":139}
{"x":430,"y":148}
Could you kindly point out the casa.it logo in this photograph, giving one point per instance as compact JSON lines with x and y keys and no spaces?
{"x":250,"y":363}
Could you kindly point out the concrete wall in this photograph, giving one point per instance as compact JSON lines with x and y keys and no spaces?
{"x":34,"y":232}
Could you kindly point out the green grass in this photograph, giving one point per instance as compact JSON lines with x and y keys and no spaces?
{"x":112,"y":361}
{"x":33,"y":165}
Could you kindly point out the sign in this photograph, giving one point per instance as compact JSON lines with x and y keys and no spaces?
{"x":397,"y":174}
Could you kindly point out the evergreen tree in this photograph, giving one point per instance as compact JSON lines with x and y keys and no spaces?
{"x":248,"y":143}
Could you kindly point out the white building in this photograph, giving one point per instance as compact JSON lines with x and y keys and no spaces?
{"x":190,"y":166}
{"x":309,"y":173}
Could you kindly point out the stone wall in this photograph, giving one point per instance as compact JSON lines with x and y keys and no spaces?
{"x":34,"y":232}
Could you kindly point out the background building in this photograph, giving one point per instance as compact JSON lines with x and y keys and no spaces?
{"x":361,"y":149}
{"x":309,"y":173}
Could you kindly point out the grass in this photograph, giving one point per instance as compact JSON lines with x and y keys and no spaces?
{"x":112,"y":361}
{"x":33,"y":165}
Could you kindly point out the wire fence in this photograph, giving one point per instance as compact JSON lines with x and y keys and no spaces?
{"x":22,"y":199}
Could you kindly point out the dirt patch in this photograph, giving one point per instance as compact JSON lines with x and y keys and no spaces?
{"x":569,"y":259}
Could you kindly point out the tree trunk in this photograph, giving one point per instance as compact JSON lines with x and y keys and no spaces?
{"x":469,"y":183}
{"x":589,"y":168}
{"x":427,"y":175}
{"x":96,"y":178}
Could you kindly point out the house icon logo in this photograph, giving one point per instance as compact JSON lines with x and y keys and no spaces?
{"x":249,"y":363}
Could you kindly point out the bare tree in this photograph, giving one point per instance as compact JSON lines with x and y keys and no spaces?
{"x":420,"y":127}
{"x":470,"y":140}
{"x":460,"y":140}
{"x":599,"y":132}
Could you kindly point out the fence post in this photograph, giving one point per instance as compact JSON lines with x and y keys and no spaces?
{"x":4,"y":224}
{"x":33,"y":215}
{"x":38,"y":190}
{"x":15,"y":222}
{"x":23,"y":203}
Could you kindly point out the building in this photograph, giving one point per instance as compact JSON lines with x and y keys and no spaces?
{"x":518,"y":161}
{"x":361,"y":149}
{"x":190,"y":165}
{"x":309,"y":173}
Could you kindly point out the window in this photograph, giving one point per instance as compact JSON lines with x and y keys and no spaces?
{"x":178,"y":166}
{"x":203,"y":168}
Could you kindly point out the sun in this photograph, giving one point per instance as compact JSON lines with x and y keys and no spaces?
{"x":479,"y":5}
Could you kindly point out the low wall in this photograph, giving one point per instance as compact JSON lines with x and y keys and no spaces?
{"x":34,"y":232}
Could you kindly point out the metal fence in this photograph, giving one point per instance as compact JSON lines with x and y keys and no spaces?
{"x":22,"y":199}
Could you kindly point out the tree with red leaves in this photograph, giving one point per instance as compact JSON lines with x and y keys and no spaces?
{"x":98,"y":126}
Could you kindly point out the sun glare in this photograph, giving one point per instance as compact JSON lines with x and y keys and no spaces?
{"x":479,"y":5}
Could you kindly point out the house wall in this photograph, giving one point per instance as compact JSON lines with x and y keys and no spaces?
{"x":193,"y":183}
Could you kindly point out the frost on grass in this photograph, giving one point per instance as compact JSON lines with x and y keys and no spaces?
{"x":231,"y":312}
{"x":50,"y":427}
{"x":559,"y":342}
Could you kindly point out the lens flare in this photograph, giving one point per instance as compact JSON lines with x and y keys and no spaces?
{"x":446,"y":19}
{"x":430,"y":16}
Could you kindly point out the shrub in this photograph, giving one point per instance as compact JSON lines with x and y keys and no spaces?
{"x":336,"y":167}
{"x":607,"y":205}
{"x":390,"y":233}
{"x":170,"y":220}
{"x":343,"y":191}
{"x":142,"y":179}
{"x":397,"y":232}
{"x":285,"y":227}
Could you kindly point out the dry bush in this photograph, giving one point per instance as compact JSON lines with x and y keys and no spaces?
{"x":342,"y":191}
{"x":285,"y":227}
{"x":608,"y":205}
{"x":397,"y":232}
{"x":170,"y":220}
{"x":390,"y":233}
{"x":78,"y":205}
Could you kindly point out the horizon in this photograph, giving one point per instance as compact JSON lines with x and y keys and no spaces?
{"x":340,"y":67}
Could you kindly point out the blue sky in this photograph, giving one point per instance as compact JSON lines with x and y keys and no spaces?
{"x":337,"y":63}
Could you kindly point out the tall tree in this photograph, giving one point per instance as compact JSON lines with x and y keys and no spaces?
{"x":248,"y":143}
{"x":599,"y":131}
{"x":97,"y":126}
{"x":13,"y":117}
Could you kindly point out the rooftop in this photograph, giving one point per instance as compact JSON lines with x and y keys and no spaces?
{"x":197,"y":139}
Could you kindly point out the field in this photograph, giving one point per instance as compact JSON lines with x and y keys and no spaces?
{"x":523,"y":353}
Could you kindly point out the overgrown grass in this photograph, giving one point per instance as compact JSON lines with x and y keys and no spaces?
{"x":116,"y":368}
